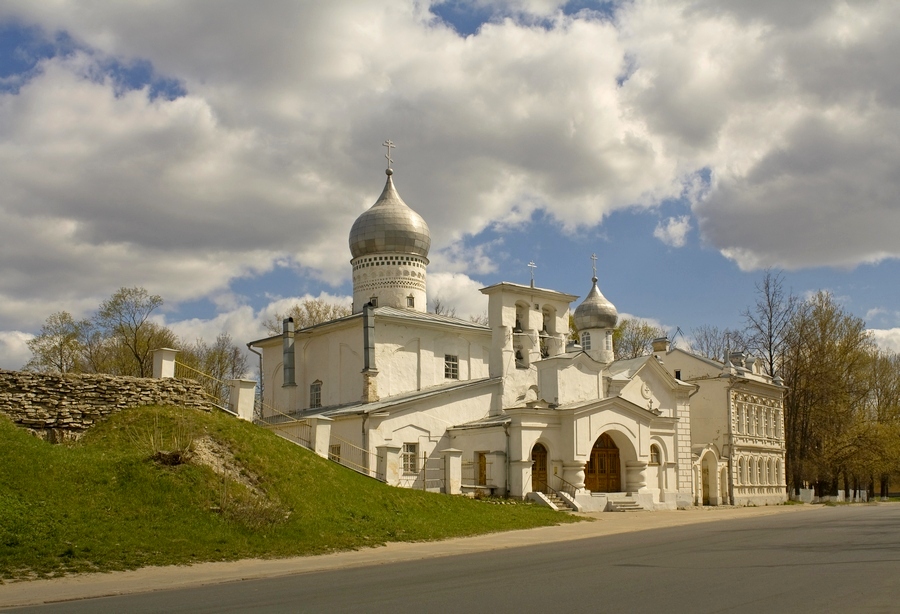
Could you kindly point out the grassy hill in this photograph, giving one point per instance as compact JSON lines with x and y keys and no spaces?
{"x":115,"y":500}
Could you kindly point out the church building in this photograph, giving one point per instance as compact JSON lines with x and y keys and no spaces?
{"x":403,"y":395}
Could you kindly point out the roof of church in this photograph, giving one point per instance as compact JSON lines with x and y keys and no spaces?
{"x":595,"y":311}
{"x":389,"y":226}
{"x":433,"y":318}
{"x":359,"y":407}
{"x":546,"y":292}
{"x":626,"y":369}
{"x":482,"y":423}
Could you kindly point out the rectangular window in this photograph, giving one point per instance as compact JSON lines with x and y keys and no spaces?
{"x":410,"y":458}
{"x":451,"y":366}
{"x":411,"y":302}
{"x":315,"y":395}
{"x":677,"y":373}
{"x":373,"y":301}
{"x":334,"y":452}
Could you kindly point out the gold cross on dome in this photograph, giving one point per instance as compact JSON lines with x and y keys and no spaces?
{"x":389,"y":144}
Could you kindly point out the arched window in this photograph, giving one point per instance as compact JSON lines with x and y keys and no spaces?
{"x":315,"y":394}
{"x":549,"y":320}
{"x":521,"y":318}
{"x":655,"y":455}
{"x":609,"y":340}
{"x":585,"y":341}
{"x":741,"y":476}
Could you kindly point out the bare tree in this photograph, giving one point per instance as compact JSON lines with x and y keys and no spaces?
{"x":480,"y":319}
{"x":713,"y":342}
{"x":439,"y":307}
{"x":306,"y":313}
{"x":769,"y":321}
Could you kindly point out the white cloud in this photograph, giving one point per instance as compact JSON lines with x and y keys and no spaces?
{"x":274,"y":150}
{"x":674,"y":232}
{"x":887,"y":339}
{"x":14,"y":352}
{"x":459,"y":292}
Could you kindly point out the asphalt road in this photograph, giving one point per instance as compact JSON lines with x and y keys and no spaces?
{"x":839,"y":559}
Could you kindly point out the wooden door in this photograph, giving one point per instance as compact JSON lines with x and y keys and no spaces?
{"x":482,"y":468}
{"x":539,"y":468}
{"x":603,"y":472}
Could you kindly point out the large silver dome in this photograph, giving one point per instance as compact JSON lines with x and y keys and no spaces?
{"x":595,"y":311}
{"x":389,"y":226}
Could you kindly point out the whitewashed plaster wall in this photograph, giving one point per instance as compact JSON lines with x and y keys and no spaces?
{"x":411,"y":358}
{"x":563,"y":381}
{"x":332,"y":356}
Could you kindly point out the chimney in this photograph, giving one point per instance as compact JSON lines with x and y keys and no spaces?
{"x":287,"y":333}
{"x":661,"y":344}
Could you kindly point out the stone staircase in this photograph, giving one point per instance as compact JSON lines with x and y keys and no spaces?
{"x":559,"y":502}
{"x":624,"y":503}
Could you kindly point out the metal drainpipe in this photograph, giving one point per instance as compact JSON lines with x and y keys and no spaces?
{"x":506,"y":430}
{"x":259,"y":405}
{"x":365,"y":441}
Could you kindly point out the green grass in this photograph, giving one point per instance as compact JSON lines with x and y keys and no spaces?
{"x":104,"y":504}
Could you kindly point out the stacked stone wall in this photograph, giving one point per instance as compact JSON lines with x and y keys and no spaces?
{"x":62,"y":407}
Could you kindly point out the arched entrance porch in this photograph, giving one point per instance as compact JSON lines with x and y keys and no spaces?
{"x":710,"y":490}
{"x":604,"y":472}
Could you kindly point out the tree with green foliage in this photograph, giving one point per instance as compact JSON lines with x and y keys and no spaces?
{"x":58,"y":347}
{"x":633,"y":338}
{"x":124,"y":317}
{"x":827,"y":371}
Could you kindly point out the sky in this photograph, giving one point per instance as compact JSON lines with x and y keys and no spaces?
{"x":217,"y":154}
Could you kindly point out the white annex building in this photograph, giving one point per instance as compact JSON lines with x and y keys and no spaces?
{"x":434,"y":402}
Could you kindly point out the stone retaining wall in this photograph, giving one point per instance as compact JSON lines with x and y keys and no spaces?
{"x":61,"y":407}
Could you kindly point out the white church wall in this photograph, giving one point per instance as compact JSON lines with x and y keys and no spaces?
{"x":411,"y":357}
{"x":573,"y":383}
{"x":333,"y":357}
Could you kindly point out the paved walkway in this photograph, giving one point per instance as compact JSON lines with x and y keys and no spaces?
{"x":162,"y":578}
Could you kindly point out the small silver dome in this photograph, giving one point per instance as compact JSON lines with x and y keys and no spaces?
{"x":595,"y":311}
{"x":389,"y":226}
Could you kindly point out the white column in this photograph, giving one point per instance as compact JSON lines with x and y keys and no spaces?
{"x":242,"y":398}
{"x":389,"y":464}
{"x":164,"y":363}
{"x":635,"y":476}
{"x":452,"y":471}
{"x":320,"y":434}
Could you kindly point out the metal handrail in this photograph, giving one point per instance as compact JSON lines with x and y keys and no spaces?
{"x":365,"y":458}
{"x":218,"y":391}
{"x":571,"y":487}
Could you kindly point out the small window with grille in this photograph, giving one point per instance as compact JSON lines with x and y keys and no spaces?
{"x":451,"y":366}
{"x":410,"y":458}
